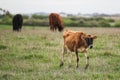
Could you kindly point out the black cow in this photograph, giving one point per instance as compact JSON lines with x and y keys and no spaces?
{"x":17,"y":22}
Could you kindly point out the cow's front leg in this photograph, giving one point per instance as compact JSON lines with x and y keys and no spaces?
{"x":52,"y":28}
{"x":55,"y":27}
{"x":87,"y":59}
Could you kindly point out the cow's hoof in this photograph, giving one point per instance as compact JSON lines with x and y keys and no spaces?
{"x":86,"y":66}
{"x":77,"y":67}
{"x":61,"y":64}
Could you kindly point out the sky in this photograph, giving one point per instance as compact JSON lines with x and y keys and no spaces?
{"x":67,"y":6}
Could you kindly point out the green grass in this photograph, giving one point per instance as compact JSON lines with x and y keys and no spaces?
{"x":4,"y":27}
{"x":35,"y":54}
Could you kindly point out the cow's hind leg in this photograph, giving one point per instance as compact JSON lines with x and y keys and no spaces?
{"x":77,"y":58}
{"x":20,"y":27}
{"x":70,"y":57}
{"x":87,"y":60}
{"x":63,"y":53}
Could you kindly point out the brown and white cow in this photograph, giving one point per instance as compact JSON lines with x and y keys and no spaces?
{"x":75,"y":41}
{"x":55,"y":22}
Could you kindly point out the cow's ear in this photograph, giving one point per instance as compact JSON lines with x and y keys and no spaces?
{"x":89,"y":35}
{"x":82,"y":33}
{"x":82,"y":36}
{"x":94,"y":37}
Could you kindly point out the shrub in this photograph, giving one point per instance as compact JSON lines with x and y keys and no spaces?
{"x":117,"y":24}
{"x":6,"y":20}
{"x":35,"y":22}
{"x":104,"y":23}
{"x":110,"y":20}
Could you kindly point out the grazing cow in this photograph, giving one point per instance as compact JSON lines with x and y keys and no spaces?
{"x":75,"y":41}
{"x":17,"y":22}
{"x":55,"y":22}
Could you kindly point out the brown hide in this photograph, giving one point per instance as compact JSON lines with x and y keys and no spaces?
{"x":74,"y":40}
{"x":55,"y":22}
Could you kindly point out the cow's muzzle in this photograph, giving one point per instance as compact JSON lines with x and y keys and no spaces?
{"x":91,"y":46}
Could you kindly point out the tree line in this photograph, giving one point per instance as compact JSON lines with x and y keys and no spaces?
{"x":41,"y":20}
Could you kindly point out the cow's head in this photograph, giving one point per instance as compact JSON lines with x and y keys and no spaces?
{"x":89,"y":40}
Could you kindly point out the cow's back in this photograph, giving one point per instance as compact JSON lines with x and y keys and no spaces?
{"x":18,"y":19}
{"x":74,"y":40}
{"x":55,"y":20}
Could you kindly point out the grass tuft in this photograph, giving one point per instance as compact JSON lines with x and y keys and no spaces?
{"x":3,"y":47}
{"x":106,"y":53}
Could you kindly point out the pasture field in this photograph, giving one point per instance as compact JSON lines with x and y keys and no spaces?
{"x":35,"y":54}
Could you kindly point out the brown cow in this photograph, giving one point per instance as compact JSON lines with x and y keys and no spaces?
{"x":75,"y":41}
{"x":55,"y":22}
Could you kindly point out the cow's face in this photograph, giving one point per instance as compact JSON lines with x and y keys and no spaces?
{"x":89,"y":40}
